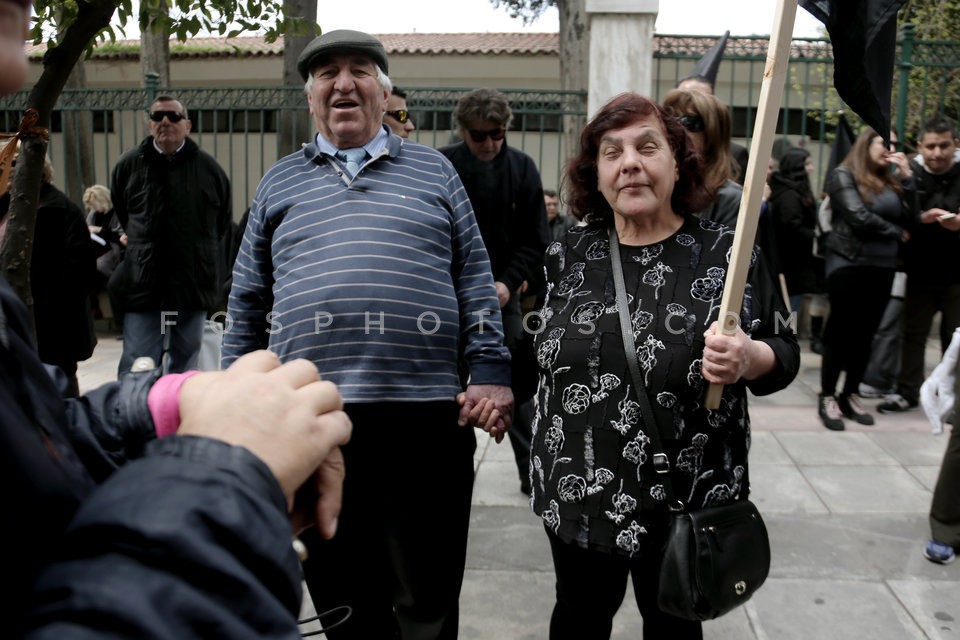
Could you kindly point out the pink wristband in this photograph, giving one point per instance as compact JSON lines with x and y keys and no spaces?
{"x":164,"y":402}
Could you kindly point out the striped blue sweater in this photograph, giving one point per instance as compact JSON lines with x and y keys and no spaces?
{"x":380,"y":281}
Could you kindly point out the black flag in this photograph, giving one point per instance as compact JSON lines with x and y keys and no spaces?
{"x":841,"y":144}
{"x":708,"y":65}
{"x":863,"y":34}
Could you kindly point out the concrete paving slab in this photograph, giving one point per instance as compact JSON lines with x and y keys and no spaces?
{"x":809,"y":448}
{"x":863,"y":489}
{"x":507,"y":605}
{"x":910,"y":448}
{"x":934,"y":605}
{"x":507,"y":538}
{"x":832,"y":610}
{"x":926,"y":475}
{"x":497,"y":484}
{"x":777,"y":488}
{"x":766,"y":449}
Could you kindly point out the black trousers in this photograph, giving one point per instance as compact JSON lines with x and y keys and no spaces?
{"x":398,"y":557}
{"x":921,"y":305}
{"x":858,"y":297}
{"x":591,"y":586}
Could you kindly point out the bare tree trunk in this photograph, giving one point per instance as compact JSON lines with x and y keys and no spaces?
{"x":77,"y":142}
{"x":17,"y":248}
{"x":155,"y":51}
{"x":294,"y":127}
{"x":574,"y":64}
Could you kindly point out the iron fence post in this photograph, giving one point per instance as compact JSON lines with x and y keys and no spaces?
{"x":906,"y":64}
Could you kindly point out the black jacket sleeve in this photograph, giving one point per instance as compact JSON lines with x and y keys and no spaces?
{"x":770,"y":323}
{"x":191,"y":541}
{"x":533,"y":231}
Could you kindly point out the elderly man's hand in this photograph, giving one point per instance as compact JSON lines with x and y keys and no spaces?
{"x":488,"y":407}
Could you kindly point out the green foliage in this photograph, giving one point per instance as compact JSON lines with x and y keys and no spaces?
{"x":934,"y":80}
{"x":180,"y":18}
{"x":527,"y":10}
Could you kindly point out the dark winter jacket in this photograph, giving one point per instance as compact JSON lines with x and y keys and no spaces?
{"x":726,"y":205}
{"x":62,"y":273}
{"x":175,"y":212}
{"x":190,"y":540}
{"x":932,"y":255}
{"x":507,"y":199}
{"x":793,"y":223}
{"x":854,"y":224}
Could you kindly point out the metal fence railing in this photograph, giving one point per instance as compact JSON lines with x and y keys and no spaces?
{"x":241,"y":126}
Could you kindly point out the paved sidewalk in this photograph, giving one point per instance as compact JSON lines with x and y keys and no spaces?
{"x":847,"y":515}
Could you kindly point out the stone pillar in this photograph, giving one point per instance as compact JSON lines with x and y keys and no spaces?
{"x":621,"y":48}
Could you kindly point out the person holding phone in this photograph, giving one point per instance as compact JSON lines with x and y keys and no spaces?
{"x":931,"y":258}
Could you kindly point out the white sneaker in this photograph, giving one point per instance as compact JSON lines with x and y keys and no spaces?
{"x":868,"y":391}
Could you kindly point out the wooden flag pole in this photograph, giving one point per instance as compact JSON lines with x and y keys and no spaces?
{"x":771,"y":97}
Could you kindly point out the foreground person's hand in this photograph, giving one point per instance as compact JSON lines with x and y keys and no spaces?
{"x":283,"y":414}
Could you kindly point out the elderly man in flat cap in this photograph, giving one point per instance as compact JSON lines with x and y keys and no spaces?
{"x":362,"y":254}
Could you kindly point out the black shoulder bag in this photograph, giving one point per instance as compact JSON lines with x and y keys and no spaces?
{"x":716,"y":557}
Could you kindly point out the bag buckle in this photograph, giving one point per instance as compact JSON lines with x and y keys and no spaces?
{"x":661,"y":463}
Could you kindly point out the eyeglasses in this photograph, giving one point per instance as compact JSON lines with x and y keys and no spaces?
{"x":400,"y":115}
{"x":493,"y":134}
{"x":691,"y":123}
{"x":172,"y":116}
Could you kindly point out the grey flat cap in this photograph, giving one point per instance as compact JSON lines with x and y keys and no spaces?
{"x":341,"y":41}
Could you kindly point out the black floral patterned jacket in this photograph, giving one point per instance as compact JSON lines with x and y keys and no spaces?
{"x":592,"y":478}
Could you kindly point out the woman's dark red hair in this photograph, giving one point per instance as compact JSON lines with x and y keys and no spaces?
{"x":585,"y":201}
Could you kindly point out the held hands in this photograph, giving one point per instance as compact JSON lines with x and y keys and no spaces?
{"x":488,"y":407}
{"x":503,"y":294}
{"x":283,"y":414}
{"x":726,"y":359}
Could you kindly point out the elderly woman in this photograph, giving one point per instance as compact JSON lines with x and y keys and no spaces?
{"x":707,"y":120}
{"x":636,"y":176}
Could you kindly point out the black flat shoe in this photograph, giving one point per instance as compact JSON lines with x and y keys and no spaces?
{"x":851,"y":408}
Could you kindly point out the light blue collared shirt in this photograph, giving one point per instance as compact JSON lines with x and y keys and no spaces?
{"x":373,"y":148}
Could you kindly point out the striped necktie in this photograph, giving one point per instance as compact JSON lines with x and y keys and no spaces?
{"x":351,"y":159}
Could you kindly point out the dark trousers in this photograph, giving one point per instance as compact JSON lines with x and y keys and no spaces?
{"x":883,"y":368}
{"x":921,"y":304}
{"x":591,"y":586}
{"x":858,"y":297}
{"x":945,"y":508}
{"x":398,"y":557}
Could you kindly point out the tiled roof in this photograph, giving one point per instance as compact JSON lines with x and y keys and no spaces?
{"x":439,"y":44}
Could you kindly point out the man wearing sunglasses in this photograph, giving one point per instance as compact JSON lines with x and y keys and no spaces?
{"x":362,"y":254}
{"x":396,"y":116}
{"x":173,"y":201}
{"x":507,"y":195}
